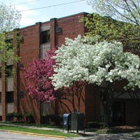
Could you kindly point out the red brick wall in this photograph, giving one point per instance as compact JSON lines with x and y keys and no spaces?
{"x":29,"y":50}
{"x":61,"y":109}
{"x":71,"y":27}
{"x":132,"y":111}
{"x":92,"y":104}
{"x":53,"y":33}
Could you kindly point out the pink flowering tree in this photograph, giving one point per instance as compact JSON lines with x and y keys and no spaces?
{"x":39,"y":86}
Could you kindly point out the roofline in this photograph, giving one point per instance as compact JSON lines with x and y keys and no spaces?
{"x":54,"y":18}
{"x":72,"y":15}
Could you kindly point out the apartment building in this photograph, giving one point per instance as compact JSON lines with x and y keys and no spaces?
{"x":36,"y":40}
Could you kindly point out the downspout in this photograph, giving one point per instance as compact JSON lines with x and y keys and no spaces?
{"x":53,"y":25}
{"x":39,"y":56}
{"x":16,"y":77}
{"x":4,"y":105}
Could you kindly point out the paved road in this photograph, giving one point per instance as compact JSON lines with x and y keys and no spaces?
{"x":11,"y":136}
{"x":121,"y":136}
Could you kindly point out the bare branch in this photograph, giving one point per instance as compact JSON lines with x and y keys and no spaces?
{"x":65,"y":106}
{"x":125,"y":10}
{"x":122,"y":15}
{"x":130,"y":11}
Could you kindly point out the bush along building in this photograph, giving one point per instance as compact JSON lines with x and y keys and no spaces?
{"x":36,"y":40}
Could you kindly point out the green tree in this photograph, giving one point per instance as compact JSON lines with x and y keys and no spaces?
{"x":110,"y":29}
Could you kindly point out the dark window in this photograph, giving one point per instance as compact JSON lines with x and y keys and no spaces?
{"x":9,"y":71}
{"x":9,"y":97}
{"x":0,"y":97}
{"x":45,"y":37}
{"x":21,"y":94}
{"x":0,"y":72}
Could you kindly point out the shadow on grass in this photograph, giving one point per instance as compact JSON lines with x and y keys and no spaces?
{"x":114,"y":129}
{"x":123,"y":129}
{"x":83,"y":134}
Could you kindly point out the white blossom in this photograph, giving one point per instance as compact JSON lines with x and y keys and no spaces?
{"x":93,"y":61}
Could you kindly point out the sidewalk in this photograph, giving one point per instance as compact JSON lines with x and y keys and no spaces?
{"x":84,"y":135}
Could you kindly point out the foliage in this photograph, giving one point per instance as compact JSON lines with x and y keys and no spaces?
{"x":37,"y":75}
{"x":11,"y":114}
{"x":16,"y":114}
{"x":94,"y":124}
{"x":94,"y":62}
{"x":55,"y":120}
{"x":110,"y":29}
{"x":9,"y":20}
{"x":28,"y":114}
{"x":125,"y":10}
{"x":137,"y":135}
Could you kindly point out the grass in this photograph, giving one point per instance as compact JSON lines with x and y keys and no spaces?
{"x":102,"y":131}
{"x":37,"y":131}
{"x":137,"y":135}
{"x":4,"y":126}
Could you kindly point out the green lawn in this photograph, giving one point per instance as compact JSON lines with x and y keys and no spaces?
{"x":37,"y":131}
{"x":137,"y":135}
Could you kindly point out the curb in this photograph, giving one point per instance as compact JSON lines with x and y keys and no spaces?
{"x":39,"y":135}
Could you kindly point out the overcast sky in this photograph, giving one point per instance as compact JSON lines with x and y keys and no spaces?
{"x":47,"y":9}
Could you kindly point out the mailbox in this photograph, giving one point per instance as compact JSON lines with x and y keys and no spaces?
{"x":67,"y":121}
{"x":77,"y":121}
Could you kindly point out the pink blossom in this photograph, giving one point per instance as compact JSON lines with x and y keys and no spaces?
{"x":39,"y":86}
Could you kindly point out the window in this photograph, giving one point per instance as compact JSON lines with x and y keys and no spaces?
{"x":0,"y":72}
{"x":45,"y":36}
{"x":0,"y":97}
{"x":9,"y":71}
{"x":9,"y":97}
{"x":21,"y":94}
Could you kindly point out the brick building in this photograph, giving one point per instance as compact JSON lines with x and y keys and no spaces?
{"x":36,"y":40}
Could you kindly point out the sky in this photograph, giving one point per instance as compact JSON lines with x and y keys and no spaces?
{"x":34,"y":11}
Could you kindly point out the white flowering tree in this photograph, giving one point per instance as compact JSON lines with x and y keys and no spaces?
{"x":125,"y":10}
{"x":9,"y":20}
{"x":98,"y":62}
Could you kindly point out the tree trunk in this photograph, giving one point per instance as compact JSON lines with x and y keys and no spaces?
{"x":106,"y":98}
